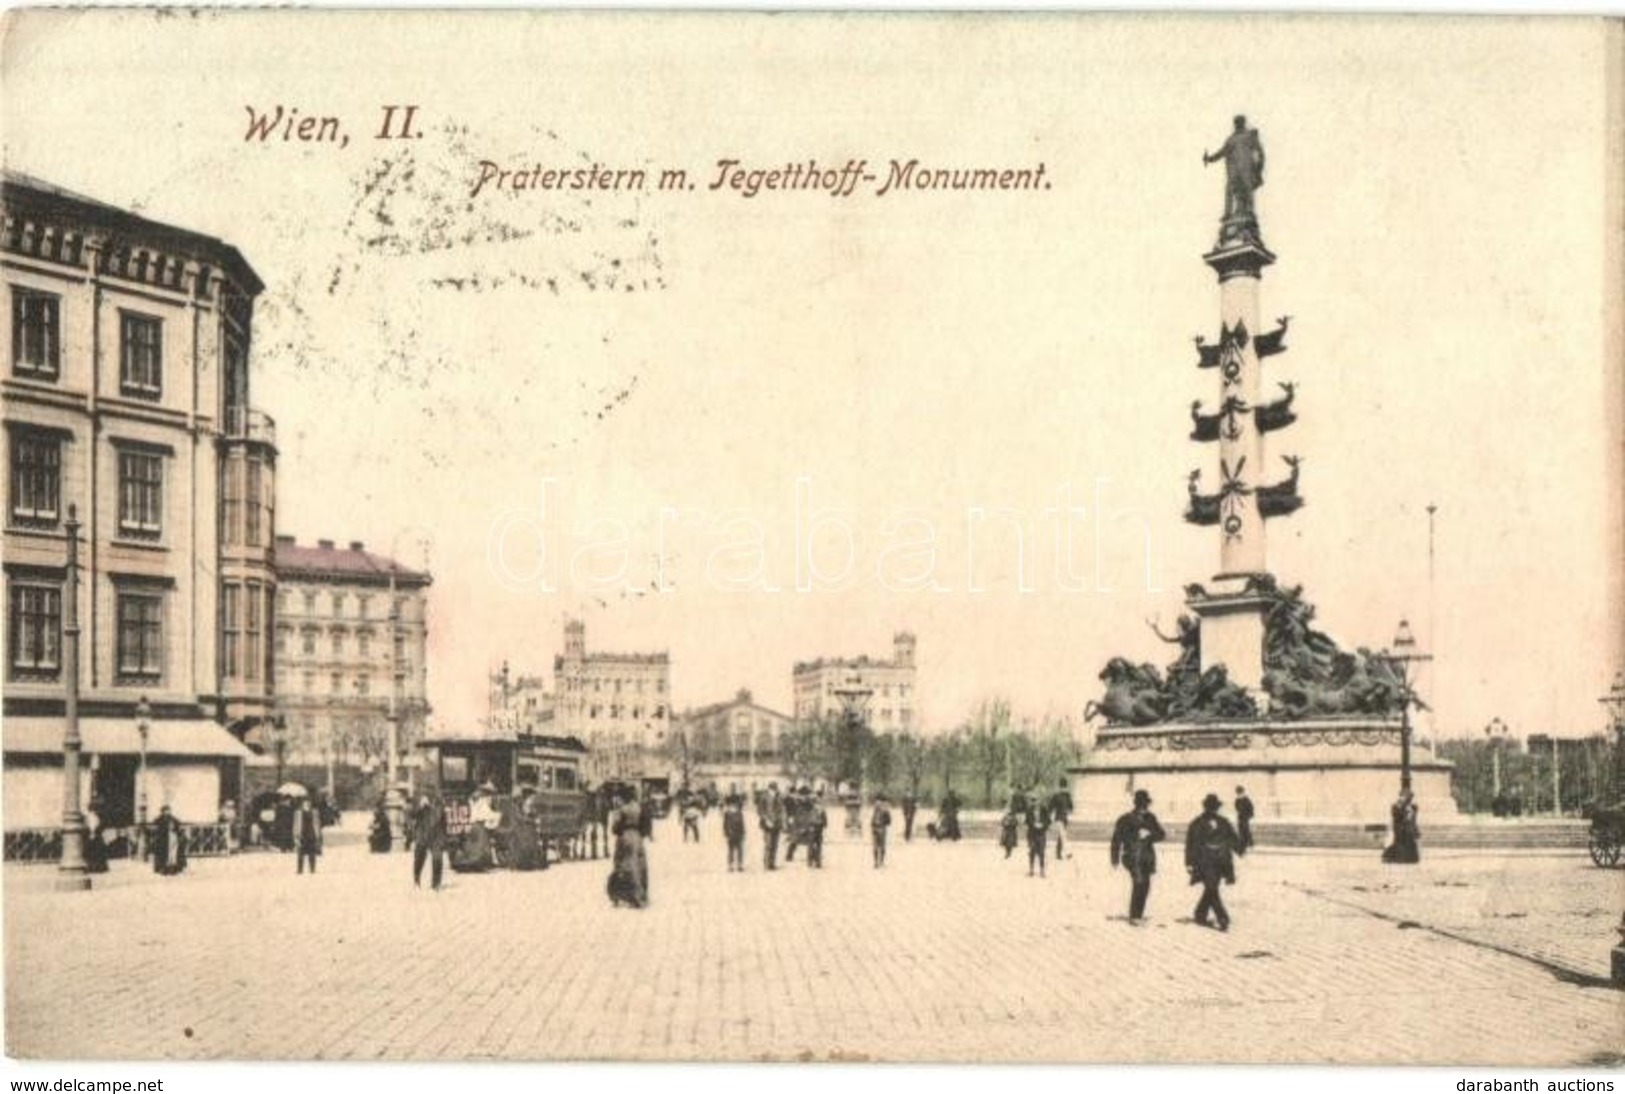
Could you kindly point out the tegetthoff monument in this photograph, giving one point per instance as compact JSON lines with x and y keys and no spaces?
{"x":1257,"y":697}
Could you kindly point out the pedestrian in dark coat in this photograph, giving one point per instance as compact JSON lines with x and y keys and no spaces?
{"x":428,"y":828}
{"x":307,"y":835}
{"x":168,"y":844}
{"x":1134,"y":847}
{"x":770,"y":817}
{"x":733,"y":830}
{"x":1038,"y":821}
{"x":879,"y":823}
{"x":817,"y":819}
{"x":1244,"y":819}
{"x":1210,"y":845}
{"x":1060,"y":811}
{"x":911,"y":805}
{"x":379,"y":836}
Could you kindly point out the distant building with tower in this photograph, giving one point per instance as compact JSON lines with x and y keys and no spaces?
{"x":618,"y":704}
{"x":893,"y":702}
{"x":519,"y":703}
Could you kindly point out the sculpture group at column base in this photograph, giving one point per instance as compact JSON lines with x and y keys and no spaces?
{"x":1334,"y":770}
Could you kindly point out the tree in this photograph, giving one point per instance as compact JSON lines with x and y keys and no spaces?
{"x":988,"y":744}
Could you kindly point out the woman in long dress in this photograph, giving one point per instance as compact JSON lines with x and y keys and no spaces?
{"x":629,"y":878}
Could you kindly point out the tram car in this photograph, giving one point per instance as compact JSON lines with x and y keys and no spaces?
{"x":510,"y":802}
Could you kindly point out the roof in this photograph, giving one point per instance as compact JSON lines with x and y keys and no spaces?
{"x":354,"y":563}
{"x":16,"y":186}
{"x":714,"y":709}
{"x":862,"y":662}
{"x":119,"y":736}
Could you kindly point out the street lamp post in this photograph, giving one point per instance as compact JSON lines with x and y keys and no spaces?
{"x":143,"y":727}
{"x":279,"y":740}
{"x":1401,"y":657}
{"x":1496,"y":731}
{"x":72,"y":873}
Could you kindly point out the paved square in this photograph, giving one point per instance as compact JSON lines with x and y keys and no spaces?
{"x":950,"y":953}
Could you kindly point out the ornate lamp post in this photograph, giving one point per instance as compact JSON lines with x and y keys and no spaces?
{"x":1496,"y":731}
{"x":143,"y":727}
{"x":1401,"y":657}
{"x":72,"y":873}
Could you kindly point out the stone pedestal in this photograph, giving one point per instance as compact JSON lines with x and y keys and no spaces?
{"x":1343,"y":770}
{"x":1232,"y":632}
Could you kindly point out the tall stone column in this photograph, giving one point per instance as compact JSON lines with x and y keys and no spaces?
{"x":1241,"y":449}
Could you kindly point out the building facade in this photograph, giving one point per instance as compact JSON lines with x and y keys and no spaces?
{"x":891,"y":704}
{"x":735,"y":742}
{"x":619,"y":704}
{"x":351,"y":649}
{"x":127,"y":406}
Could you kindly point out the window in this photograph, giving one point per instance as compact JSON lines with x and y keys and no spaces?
{"x":36,"y":345}
{"x":254,"y":509}
{"x":363,"y":643}
{"x":36,"y":631}
{"x":400,"y":649}
{"x":253,"y":636}
{"x":338,"y":643}
{"x":282,"y":640}
{"x":140,"y":637}
{"x":363,"y":607}
{"x":231,"y":626}
{"x":363,"y":685}
{"x":338,"y":605}
{"x":140,"y":493}
{"x":310,"y":683}
{"x":307,"y":641}
{"x":310,"y":605}
{"x":231,"y":503}
{"x":141,"y":355}
{"x":36,"y":477}
{"x":282,"y":601}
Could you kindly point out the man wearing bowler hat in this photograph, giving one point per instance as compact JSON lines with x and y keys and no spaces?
{"x":1210,"y":846}
{"x":1134,"y":848}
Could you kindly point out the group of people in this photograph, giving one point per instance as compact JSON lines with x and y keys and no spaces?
{"x":1036,"y":814}
{"x":799,"y":817}
{"x":1211,"y":846}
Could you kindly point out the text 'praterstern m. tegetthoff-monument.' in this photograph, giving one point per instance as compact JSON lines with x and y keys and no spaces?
{"x":1257,"y":697}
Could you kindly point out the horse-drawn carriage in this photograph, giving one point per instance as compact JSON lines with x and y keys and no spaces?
{"x":1607,"y":836}
{"x":510,"y":802}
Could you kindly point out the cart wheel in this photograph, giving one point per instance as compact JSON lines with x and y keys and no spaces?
{"x":1604,"y":848}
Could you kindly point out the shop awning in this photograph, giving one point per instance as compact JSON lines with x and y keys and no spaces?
{"x":119,"y":736}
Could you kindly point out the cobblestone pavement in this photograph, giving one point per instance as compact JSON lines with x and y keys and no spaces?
{"x":950,"y":953}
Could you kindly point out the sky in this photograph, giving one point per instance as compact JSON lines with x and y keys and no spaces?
{"x":755,"y":430}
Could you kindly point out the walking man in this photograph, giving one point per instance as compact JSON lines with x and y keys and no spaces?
{"x":428,"y":840}
{"x":1134,"y":847}
{"x":1244,"y":820}
{"x":910,"y":805}
{"x":1210,"y":844}
{"x":733,"y":829}
{"x":691,"y":819}
{"x":1060,"y":808}
{"x":307,"y":834}
{"x":1038,"y":819}
{"x":879,"y":822}
{"x":817,"y":819}
{"x":770,"y":817}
